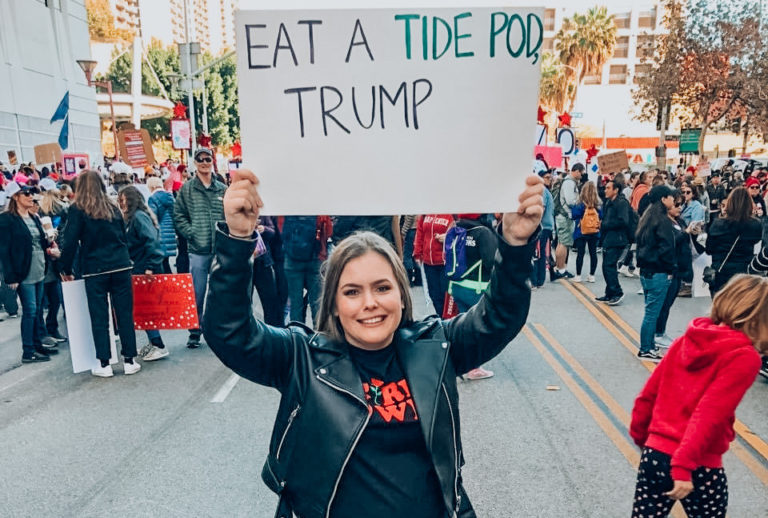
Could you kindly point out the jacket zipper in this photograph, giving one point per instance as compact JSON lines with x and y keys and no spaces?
{"x":455,"y":454}
{"x":354,"y":444}
{"x":285,"y":433}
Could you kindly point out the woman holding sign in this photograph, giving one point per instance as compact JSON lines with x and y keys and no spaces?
{"x":368,"y":423}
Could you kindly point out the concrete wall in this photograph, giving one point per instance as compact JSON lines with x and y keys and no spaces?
{"x":39,"y":46}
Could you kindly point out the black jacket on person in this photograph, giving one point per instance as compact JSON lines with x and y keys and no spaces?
{"x":103,"y":244}
{"x":343,"y":226}
{"x":656,"y":248}
{"x":16,"y":246}
{"x":616,"y":220}
{"x":683,"y":250}
{"x":323,"y":410}
{"x":144,"y":246}
{"x":721,"y":237}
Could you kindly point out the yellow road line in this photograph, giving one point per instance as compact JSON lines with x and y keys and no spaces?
{"x":758,"y":444}
{"x":629,"y":451}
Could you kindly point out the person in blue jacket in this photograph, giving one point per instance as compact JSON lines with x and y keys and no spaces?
{"x":161,"y":203}
{"x":146,"y":254}
{"x":587,"y":215}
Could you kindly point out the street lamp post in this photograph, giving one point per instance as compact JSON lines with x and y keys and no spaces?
{"x":88,"y":65}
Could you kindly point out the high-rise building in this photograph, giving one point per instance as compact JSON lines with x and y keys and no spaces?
{"x":126,"y":14}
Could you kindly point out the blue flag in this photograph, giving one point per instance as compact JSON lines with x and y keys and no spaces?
{"x":64,"y":134}
{"x":62,"y":110}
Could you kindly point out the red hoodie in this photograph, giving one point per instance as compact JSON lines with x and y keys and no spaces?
{"x":686,"y":408}
{"x":425,"y":247}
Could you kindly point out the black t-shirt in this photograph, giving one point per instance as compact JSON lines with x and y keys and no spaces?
{"x":390,"y":472}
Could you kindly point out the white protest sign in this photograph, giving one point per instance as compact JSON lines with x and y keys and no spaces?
{"x":79,"y":332}
{"x":388,"y":111}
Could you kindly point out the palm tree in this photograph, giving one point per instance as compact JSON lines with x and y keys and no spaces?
{"x":555,"y":86}
{"x":584,"y":44}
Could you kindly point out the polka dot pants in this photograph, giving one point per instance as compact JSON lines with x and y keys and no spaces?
{"x":709,"y":498}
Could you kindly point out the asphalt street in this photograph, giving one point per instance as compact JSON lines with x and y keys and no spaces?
{"x":546,"y":437}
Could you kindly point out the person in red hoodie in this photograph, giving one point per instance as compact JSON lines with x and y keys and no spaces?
{"x":683,"y":418}
{"x":428,"y":250}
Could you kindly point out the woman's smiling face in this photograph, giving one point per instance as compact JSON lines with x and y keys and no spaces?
{"x":368,"y":302}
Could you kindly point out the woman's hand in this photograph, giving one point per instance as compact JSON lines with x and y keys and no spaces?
{"x":519,"y":226}
{"x":440,"y":238}
{"x":67,"y":278}
{"x":681,"y":489}
{"x":242,"y":203}
{"x":14,"y":286}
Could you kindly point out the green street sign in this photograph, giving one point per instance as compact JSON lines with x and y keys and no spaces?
{"x":689,"y":140}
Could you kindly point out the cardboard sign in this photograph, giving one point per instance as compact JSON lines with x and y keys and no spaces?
{"x":48,"y":153}
{"x":553,"y":155}
{"x":70,"y":163}
{"x":164,"y":302}
{"x":12,"y":159}
{"x":135,"y":147}
{"x":388,"y":111}
{"x":181,"y":134}
{"x":613,"y":162}
{"x":81,"y":347}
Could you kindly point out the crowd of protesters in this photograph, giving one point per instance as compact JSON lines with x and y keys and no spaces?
{"x":112,"y":225}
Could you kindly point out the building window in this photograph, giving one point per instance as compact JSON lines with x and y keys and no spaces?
{"x":645,"y":45}
{"x":618,"y":75}
{"x":548,"y":44}
{"x":647,"y":19}
{"x":641,"y":71}
{"x":621,"y":20}
{"x":622,"y":47}
{"x":594,"y":79}
{"x":549,"y":19}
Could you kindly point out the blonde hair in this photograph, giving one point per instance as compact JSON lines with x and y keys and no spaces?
{"x":588,"y":196}
{"x":352,"y":247}
{"x":51,"y":203}
{"x":154,"y":183}
{"x":743,"y":305}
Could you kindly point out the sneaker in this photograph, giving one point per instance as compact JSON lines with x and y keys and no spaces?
{"x":131,"y":368}
{"x":46,"y":351}
{"x":13,"y":315}
{"x":685,"y":291}
{"x":576,"y":278}
{"x":650,"y":356}
{"x":145,"y":350}
{"x":57,"y":336}
{"x":50,"y":341}
{"x":567,"y":275}
{"x":615,"y":301}
{"x":640,"y":291}
{"x":478,"y":374}
{"x":591,"y":278}
{"x":193,"y":342}
{"x":663,"y":340}
{"x":626,"y":272}
{"x":764,"y":368}
{"x":554,"y":276}
{"x":34,"y":358}
{"x":154,"y":353}
{"x":103,"y":372}
{"x":604,"y":298}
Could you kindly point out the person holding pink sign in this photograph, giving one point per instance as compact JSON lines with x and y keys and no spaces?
{"x":368,"y":423}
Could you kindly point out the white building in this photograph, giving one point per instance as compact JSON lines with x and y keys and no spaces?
{"x":605,"y":99}
{"x":40,"y":43}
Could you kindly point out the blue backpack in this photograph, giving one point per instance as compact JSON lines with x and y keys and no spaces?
{"x":455,"y":253}
{"x":300,"y":237}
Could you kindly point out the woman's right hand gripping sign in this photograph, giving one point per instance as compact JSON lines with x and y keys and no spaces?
{"x":242,"y":203}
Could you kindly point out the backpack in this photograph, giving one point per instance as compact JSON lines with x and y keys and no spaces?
{"x":455,"y":253}
{"x":300,"y":237}
{"x":555,"y":190}
{"x":590,"y":222}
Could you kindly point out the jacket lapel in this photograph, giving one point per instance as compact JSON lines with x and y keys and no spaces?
{"x":424,"y":362}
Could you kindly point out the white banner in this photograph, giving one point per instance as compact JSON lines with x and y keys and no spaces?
{"x":79,"y":332}
{"x":389,"y":111}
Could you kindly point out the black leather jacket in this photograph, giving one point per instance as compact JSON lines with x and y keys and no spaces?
{"x":322,"y":411}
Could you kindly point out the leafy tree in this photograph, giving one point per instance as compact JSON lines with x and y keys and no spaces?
{"x":101,"y":22}
{"x":555,"y":87}
{"x":710,"y":64}
{"x":584,"y":43}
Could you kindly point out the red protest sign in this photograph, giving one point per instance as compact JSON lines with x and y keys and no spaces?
{"x":164,"y":302}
